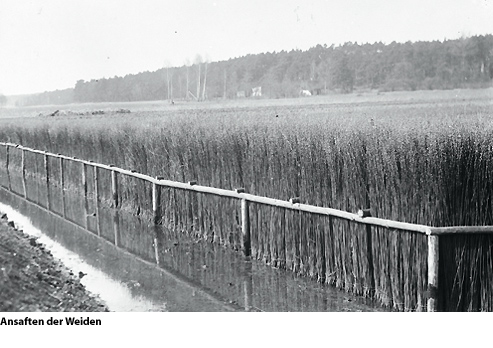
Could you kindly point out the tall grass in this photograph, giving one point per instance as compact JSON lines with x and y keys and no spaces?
{"x":418,"y":163}
{"x":434,"y":170}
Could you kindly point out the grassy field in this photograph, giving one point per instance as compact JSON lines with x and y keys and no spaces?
{"x":422,"y":157}
{"x":437,"y":96}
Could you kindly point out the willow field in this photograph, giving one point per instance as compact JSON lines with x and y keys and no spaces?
{"x":413,"y":158}
{"x":419,"y":157}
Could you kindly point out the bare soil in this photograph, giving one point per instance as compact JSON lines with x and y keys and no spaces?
{"x":32,"y":280}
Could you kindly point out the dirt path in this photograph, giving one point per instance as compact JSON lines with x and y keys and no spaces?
{"x":32,"y":280}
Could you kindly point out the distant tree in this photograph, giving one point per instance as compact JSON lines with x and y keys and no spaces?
{"x":206,"y":63}
{"x":169,"y":81}
{"x":464,"y":62}
{"x":198,"y":61}
{"x":3,"y":100}
{"x":342,"y":74}
{"x":187,"y":89}
{"x":205,"y":81}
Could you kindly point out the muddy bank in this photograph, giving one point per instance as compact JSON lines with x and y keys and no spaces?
{"x":32,"y":280}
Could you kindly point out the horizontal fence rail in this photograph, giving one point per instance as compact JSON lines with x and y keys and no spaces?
{"x":313,"y":240}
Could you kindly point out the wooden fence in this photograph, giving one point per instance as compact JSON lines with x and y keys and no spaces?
{"x":245,"y":200}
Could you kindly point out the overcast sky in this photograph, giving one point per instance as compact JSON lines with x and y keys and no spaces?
{"x":50,"y":44}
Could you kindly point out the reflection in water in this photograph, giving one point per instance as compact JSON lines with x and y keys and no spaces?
{"x":116,"y":295}
{"x":162,"y":269}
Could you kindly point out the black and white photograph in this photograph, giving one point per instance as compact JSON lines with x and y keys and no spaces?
{"x":319,"y":156}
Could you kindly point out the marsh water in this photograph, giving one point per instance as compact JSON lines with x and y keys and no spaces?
{"x":135,"y":266}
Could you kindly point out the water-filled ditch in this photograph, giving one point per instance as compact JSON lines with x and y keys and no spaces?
{"x":135,"y":266}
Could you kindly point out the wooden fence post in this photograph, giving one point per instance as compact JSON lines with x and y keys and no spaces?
{"x":433,"y":257}
{"x":296,"y":238}
{"x":369,"y":249}
{"x":47,"y":172}
{"x":7,"y":160}
{"x":7,"y":153}
{"x":84,"y":186}
{"x":329,"y":256}
{"x":84,"y":179}
{"x":320,"y":262}
{"x":62,"y":174}
{"x":96,"y":181}
{"x":23,"y":165}
{"x":245,"y":224}
{"x":114,"y":187}
{"x":156,"y":202}
{"x":62,"y":185}
{"x":24,"y":185}
{"x":96,"y":199}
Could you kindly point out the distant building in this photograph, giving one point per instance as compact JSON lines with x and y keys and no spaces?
{"x":257,"y":91}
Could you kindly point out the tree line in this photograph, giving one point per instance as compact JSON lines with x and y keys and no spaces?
{"x":460,"y":63}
